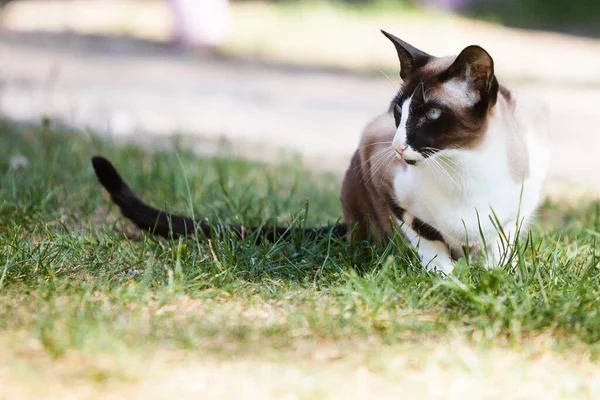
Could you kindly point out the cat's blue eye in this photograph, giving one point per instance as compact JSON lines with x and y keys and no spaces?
{"x":433,"y":113}
{"x":398,"y":109}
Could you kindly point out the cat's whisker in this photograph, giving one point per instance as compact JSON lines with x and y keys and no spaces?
{"x":389,"y":78}
{"x":438,"y":166}
{"x":389,"y":165}
{"x":434,"y":168}
{"x":373,"y":144}
{"x":385,"y":160}
{"x":378,"y":156}
{"x":373,"y":156}
{"x":373,"y":169}
{"x":378,"y":160}
{"x":381,"y":162}
{"x":449,"y":164}
{"x":381,"y":151}
{"x":442,"y":169}
{"x":432,"y":149}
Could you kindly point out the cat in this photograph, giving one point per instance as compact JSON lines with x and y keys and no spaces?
{"x":456,"y":164}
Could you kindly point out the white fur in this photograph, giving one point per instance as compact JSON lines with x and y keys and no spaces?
{"x":459,"y":200}
{"x":460,"y":92}
{"x":400,"y":139}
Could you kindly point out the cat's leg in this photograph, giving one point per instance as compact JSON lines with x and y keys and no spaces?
{"x":435,"y":256}
{"x":500,"y":250}
{"x":495,"y":252}
{"x":432,"y":251}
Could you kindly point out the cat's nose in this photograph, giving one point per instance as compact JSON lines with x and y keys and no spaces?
{"x":399,"y":149}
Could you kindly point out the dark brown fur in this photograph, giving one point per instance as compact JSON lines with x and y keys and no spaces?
{"x":367,"y":197}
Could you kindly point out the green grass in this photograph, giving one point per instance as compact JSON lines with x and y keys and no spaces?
{"x":75,"y":277}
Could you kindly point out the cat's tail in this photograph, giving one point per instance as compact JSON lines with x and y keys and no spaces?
{"x":164,"y":224}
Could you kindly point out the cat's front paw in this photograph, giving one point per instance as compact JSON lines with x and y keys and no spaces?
{"x":438,"y":264}
{"x":499,"y":255}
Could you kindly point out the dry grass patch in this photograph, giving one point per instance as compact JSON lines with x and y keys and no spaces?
{"x":449,"y":369}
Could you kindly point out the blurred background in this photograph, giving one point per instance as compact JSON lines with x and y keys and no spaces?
{"x":304,"y":75}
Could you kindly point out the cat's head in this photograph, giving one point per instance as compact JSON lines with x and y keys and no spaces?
{"x":443,"y":103}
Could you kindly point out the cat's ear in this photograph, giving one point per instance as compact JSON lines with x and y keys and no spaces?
{"x":410,"y":57}
{"x":474,"y":66}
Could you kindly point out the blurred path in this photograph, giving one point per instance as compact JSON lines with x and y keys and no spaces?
{"x":125,"y":87}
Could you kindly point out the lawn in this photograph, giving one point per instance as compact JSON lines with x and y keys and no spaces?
{"x":91,"y":308}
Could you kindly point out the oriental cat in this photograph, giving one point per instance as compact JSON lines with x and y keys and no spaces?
{"x":456,"y":165}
